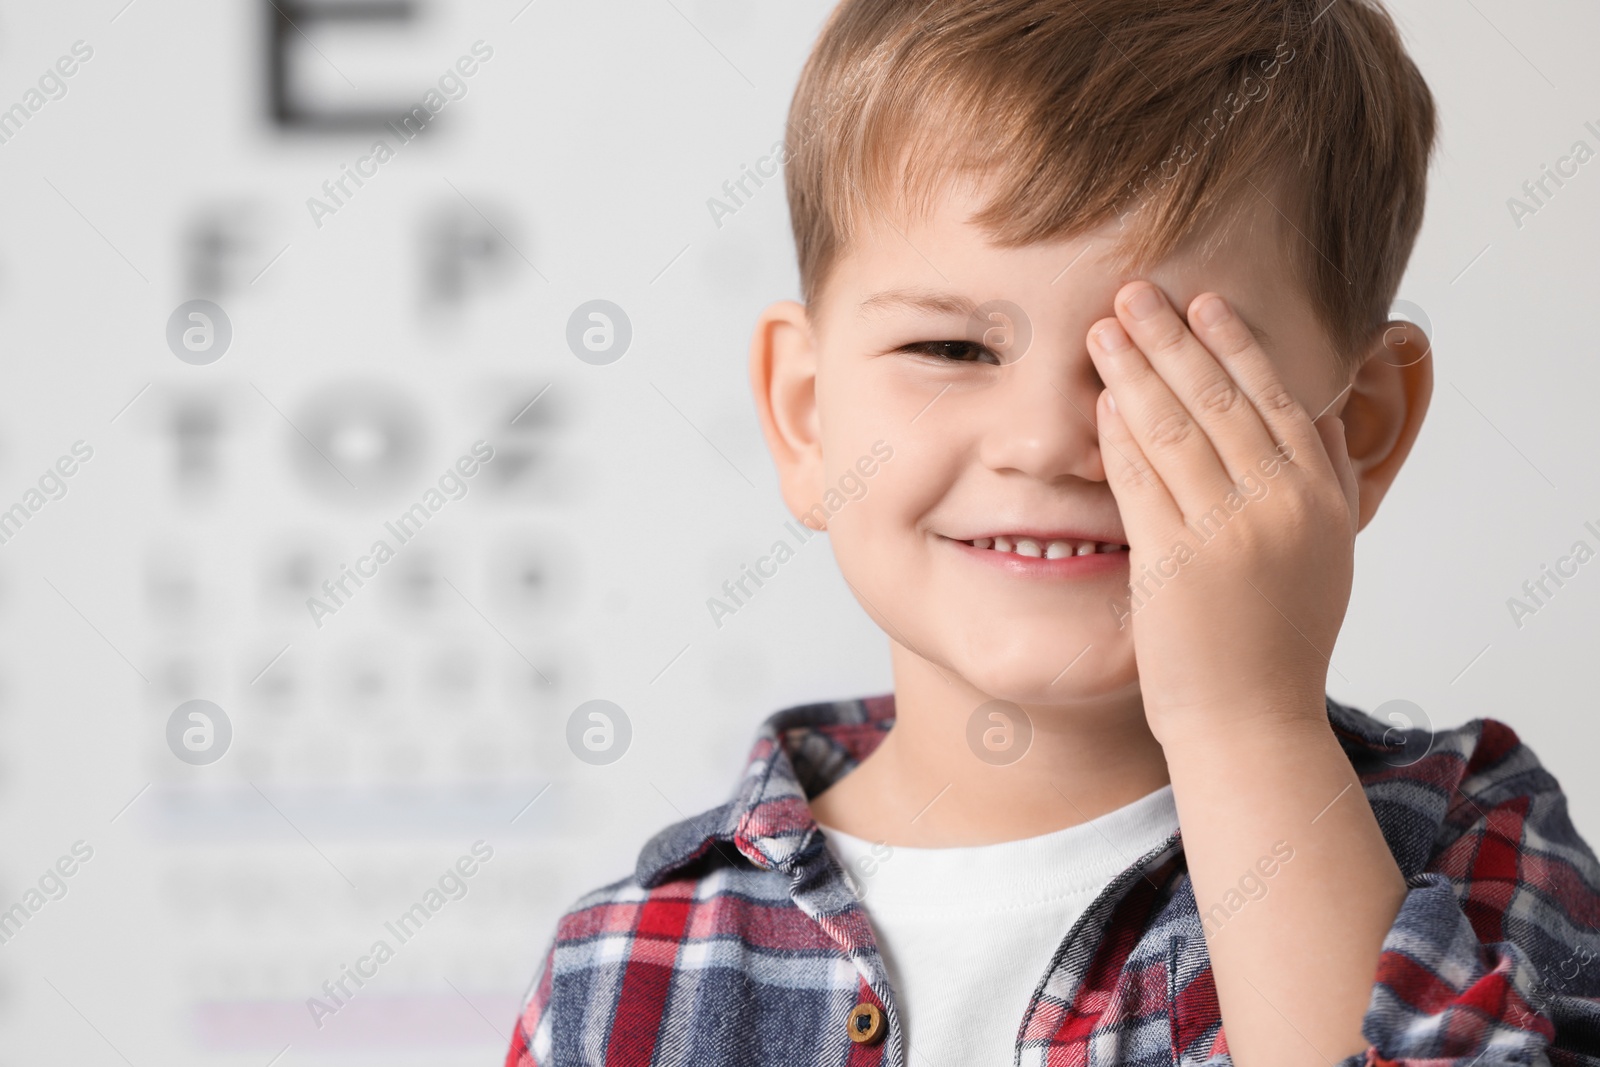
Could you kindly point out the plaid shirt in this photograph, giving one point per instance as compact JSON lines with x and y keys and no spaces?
{"x":738,"y":941}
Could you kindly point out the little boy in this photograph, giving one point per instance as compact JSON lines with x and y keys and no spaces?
{"x":1096,"y":324}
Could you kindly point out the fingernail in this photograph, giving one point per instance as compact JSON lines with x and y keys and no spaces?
{"x":1111,"y":400}
{"x":1144,"y":303}
{"x":1212,"y":312}
{"x":1111,"y":337}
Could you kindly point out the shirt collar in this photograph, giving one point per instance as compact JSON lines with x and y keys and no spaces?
{"x":798,"y":753}
{"x":801,"y":751}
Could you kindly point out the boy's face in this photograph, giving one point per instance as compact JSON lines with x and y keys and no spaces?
{"x":997,"y":441}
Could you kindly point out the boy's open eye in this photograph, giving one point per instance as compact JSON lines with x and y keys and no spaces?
{"x":953,"y":351}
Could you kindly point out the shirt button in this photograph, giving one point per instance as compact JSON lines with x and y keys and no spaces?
{"x":865,"y":1024}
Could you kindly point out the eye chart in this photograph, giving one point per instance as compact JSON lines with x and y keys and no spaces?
{"x":375,"y":430}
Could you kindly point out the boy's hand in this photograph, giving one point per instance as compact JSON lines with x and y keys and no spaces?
{"x":1244,"y":510}
{"x":1240,"y":515}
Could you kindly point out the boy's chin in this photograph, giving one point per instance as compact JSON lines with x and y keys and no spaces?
{"x":1040,"y":673}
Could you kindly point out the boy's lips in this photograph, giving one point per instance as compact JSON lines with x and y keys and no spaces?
{"x":1045,"y":554}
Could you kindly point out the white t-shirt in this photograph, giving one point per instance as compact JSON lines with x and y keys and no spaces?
{"x":966,"y":933}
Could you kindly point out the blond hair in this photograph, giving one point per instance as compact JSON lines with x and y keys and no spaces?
{"x":1163,"y":113}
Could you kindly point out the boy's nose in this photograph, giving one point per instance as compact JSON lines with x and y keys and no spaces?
{"x":1040,"y":420}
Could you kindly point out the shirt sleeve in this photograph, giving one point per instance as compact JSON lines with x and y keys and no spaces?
{"x":530,"y":1037}
{"x":1494,"y":957}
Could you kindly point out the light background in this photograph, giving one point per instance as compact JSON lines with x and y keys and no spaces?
{"x":368,"y":754}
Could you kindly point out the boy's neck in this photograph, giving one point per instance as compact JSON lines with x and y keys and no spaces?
{"x":924,"y":786}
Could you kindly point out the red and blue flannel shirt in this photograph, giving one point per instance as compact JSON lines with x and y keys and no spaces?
{"x":738,"y":940}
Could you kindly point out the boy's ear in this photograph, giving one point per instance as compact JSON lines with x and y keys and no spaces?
{"x":1383,"y":411}
{"x":783,"y":379}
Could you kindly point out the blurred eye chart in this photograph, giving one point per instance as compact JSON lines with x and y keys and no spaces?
{"x":374,"y":430}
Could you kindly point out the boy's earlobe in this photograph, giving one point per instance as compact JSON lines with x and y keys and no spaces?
{"x":1383,"y":413}
{"x":783,"y":383}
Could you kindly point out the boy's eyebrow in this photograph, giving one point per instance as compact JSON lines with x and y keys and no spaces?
{"x":940,"y":303}
{"x":918,"y":300}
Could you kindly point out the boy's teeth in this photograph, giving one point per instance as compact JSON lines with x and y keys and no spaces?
{"x":1034,"y":549}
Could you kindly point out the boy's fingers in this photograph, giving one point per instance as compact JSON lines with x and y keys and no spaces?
{"x":1196,"y":378}
{"x":1140,"y":493}
{"x":1241,"y":355}
{"x":1330,"y":429}
{"x":1168,"y":436}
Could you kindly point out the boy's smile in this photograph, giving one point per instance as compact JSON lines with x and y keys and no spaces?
{"x":991,"y":546}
